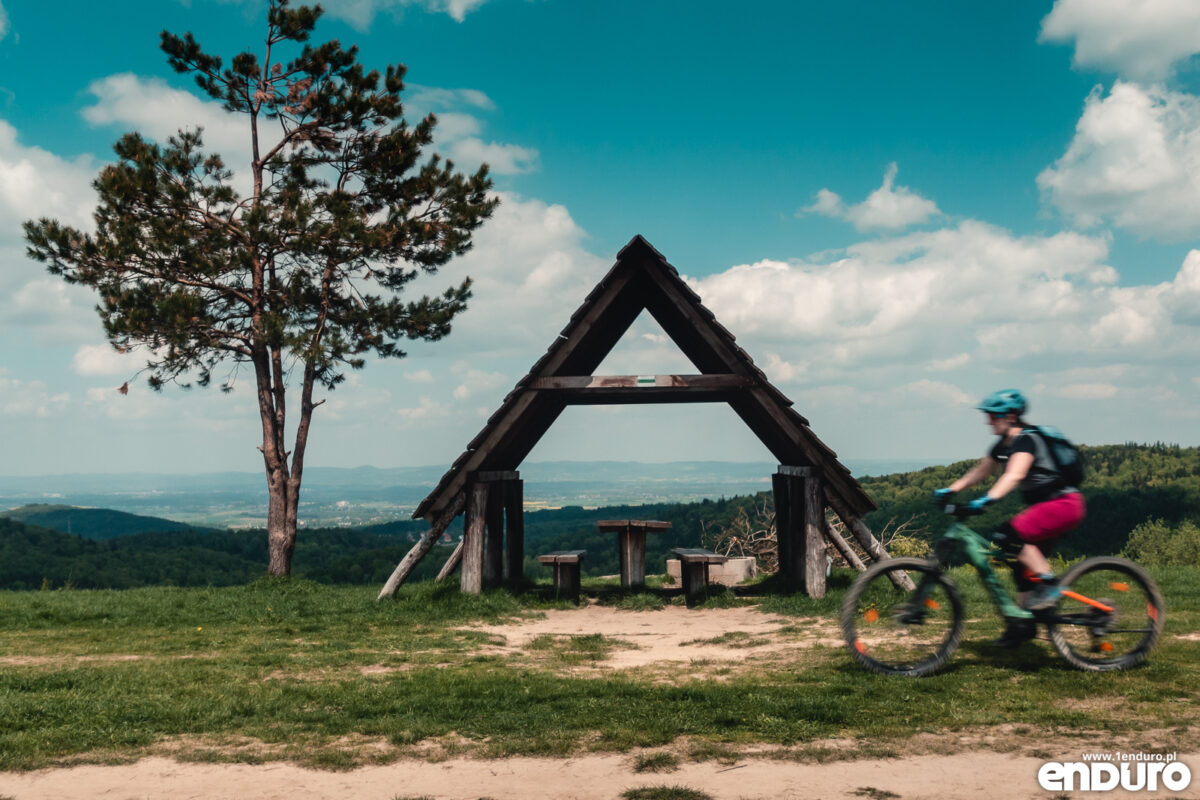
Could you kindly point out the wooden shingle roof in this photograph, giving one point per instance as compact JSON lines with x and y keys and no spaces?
{"x":641,"y":279}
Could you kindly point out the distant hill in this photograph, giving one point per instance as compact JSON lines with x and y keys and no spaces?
{"x":94,"y":523}
{"x":1126,"y":485}
{"x":343,"y":498}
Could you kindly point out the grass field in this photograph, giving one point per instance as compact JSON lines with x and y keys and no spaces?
{"x":328,"y":677}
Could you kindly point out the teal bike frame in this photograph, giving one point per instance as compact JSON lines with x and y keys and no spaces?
{"x":960,"y":544}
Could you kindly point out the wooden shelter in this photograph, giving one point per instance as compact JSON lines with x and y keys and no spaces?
{"x":484,"y":483}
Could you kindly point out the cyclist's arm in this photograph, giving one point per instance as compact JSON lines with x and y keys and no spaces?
{"x":1018,"y":468}
{"x":977,"y":474}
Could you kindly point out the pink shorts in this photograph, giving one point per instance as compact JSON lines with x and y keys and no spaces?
{"x":1050,"y":519}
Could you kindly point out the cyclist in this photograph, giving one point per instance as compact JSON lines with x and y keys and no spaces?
{"x":1054,"y":506}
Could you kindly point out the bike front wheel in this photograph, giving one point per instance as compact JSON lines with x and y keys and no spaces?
{"x":896,"y":632}
{"x":1109,"y":617}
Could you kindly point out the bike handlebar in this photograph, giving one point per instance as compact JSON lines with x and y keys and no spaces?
{"x":961,"y":510}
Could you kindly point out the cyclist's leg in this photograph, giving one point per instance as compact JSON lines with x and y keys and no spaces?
{"x":1039,"y":527}
{"x":1019,"y":625}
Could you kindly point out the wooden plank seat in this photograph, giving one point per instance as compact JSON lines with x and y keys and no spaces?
{"x":693,"y":571}
{"x":566,"y":564}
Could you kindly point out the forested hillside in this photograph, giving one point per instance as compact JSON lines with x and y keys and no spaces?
{"x":1156,"y":487}
{"x":1125,"y":485}
{"x":92,"y":523}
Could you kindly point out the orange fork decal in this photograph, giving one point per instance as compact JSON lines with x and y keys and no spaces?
{"x":1089,"y":601}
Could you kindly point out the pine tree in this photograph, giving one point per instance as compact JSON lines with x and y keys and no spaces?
{"x":298,"y":276}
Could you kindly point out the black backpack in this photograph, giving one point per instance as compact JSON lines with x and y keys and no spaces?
{"x":1065,"y":455}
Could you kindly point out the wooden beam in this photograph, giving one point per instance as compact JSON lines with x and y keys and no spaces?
{"x":491,"y":434}
{"x":814,"y":539}
{"x":845,"y":549}
{"x":514,"y":534}
{"x":422,"y":547}
{"x":569,"y":382}
{"x":868,"y":541}
{"x":634,"y":389}
{"x":473,"y":539}
{"x":783,"y":525}
{"x":451,"y":563}
{"x":493,"y":559}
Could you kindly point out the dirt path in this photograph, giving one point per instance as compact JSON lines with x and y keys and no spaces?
{"x":993,"y":776}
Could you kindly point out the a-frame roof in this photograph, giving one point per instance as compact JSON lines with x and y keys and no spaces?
{"x":641,"y":279}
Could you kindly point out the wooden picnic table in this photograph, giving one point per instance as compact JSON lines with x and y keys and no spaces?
{"x":631,"y":544}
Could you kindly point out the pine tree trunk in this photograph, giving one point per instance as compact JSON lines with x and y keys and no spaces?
{"x":281,"y":524}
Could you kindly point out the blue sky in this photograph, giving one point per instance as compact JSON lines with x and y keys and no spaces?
{"x":895,"y":207}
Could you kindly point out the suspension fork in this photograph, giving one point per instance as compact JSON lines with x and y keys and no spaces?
{"x":978,"y":553}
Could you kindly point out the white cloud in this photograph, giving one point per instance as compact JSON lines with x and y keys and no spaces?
{"x":929,"y":391}
{"x":530,"y":270}
{"x":475,"y":380}
{"x":1141,"y":40}
{"x":889,"y":207}
{"x":56,"y":312}
{"x":1135,"y":161}
{"x":156,"y":110}
{"x":426,"y":409}
{"x":29,"y":398}
{"x":459,"y":135}
{"x":114,"y":405}
{"x":424,"y":99}
{"x":3,"y":22}
{"x":35,"y":183}
{"x":502,"y":159}
{"x":452,"y":126}
{"x":102,"y":359}
{"x":419,"y":376}
{"x":357,"y":401}
{"x":1085,"y":391}
{"x":948,"y":300}
{"x":361,"y":13}
{"x":780,"y":371}
{"x":946,"y":364}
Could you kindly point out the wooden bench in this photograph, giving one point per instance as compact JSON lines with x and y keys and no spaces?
{"x":566,"y":565}
{"x":693,"y":571}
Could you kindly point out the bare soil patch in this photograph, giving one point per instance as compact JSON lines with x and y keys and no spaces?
{"x":673,"y":634}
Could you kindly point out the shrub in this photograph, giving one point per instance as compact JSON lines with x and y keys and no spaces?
{"x":1160,"y":544}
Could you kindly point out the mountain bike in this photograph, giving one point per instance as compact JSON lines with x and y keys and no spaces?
{"x":1108,"y":617}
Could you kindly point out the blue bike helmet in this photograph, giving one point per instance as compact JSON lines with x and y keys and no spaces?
{"x":1005,"y":401}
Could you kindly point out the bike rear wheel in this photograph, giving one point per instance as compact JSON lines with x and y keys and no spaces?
{"x":896,"y":632}
{"x":1109,"y":617}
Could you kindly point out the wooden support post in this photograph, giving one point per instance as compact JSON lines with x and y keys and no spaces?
{"x":474,"y":529}
{"x":814,"y":540}
{"x":493,"y":560}
{"x":422,"y":547}
{"x":451,"y":563}
{"x":514,"y":505}
{"x":868,"y":541}
{"x":791,"y":523}
{"x":631,"y":545}
{"x":845,"y":549}
{"x":783,"y":524}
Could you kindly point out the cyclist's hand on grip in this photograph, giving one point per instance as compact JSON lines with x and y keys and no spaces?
{"x":977,"y":505}
{"x":942,"y":497}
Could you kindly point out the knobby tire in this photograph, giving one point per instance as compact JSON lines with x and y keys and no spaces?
{"x":1094,"y":640}
{"x":877,"y":619}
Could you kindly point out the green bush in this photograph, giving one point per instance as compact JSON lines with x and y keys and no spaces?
{"x":1160,"y":544}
